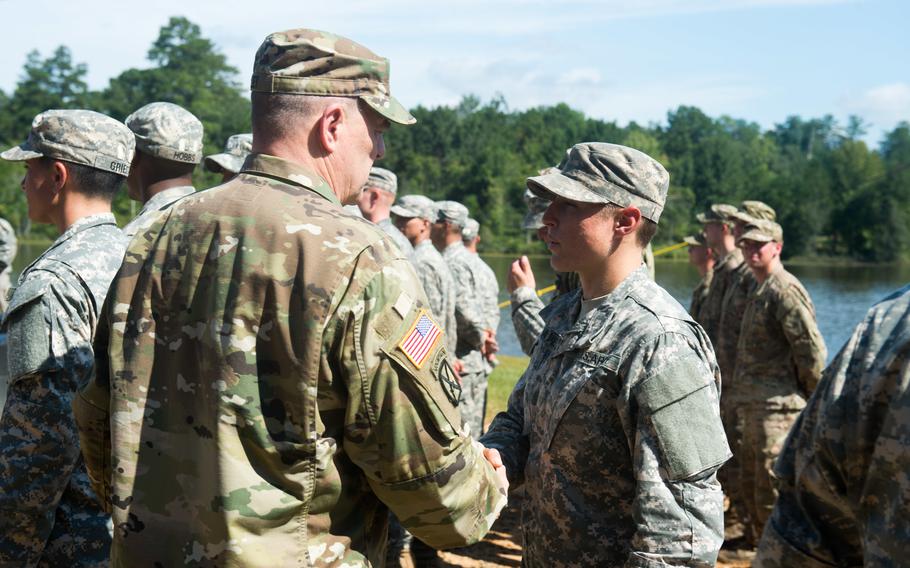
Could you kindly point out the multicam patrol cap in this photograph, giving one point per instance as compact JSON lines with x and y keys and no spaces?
{"x":167,"y":131}
{"x":237,"y":148}
{"x":597,"y":172}
{"x":382,"y":179}
{"x":410,"y":206}
{"x":80,"y":136}
{"x":762,"y":231}
{"x":750,"y":211}
{"x":717,"y":213}
{"x":452,"y":212}
{"x":471,"y":230}
{"x":312,"y":62}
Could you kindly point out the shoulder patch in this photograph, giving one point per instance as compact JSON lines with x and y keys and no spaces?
{"x":420,"y":339}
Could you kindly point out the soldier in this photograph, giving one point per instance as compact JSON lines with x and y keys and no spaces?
{"x":842,"y":473}
{"x":489,"y":293}
{"x":271,"y":357}
{"x":76,"y":161}
{"x":229,"y":162}
{"x":614,"y":428}
{"x":718,"y":229}
{"x":375,"y":204}
{"x":474,"y":334}
{"x":168,"y":147}
{"x":778,"y":363}
{"x":7,"y":256}
{"x":701,"y":257}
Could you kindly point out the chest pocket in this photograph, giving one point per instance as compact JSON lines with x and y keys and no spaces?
{"x":580,"y":369}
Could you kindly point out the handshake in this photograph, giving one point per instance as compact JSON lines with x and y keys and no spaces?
{"x":494,"y":459}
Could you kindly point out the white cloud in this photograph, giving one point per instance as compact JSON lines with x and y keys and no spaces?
{"x":883,"y":105}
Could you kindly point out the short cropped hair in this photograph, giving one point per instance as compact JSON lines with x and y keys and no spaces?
{"x":276,"y":115}
{"x":89,"y":181}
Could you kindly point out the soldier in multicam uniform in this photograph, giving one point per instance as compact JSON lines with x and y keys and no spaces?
{"x":779,"y":361}
{"x":229,"y":162}
{"x":7,"y":256}
{"x":375,"y":204}
{"x":489,"y":294}
{"x":702,"y":258}
{"x":270,"y":358}
{"x":168,"y":147}
{"x":473,"y":333}
{"x":614,"y":428}
{"x":76,"y":161}
{"x":842,"y":473}
{"x":718,"y":230}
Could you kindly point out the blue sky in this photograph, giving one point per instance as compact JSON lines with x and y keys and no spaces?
{"x":622,"y":60}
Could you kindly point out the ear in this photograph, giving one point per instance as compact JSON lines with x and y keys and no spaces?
{"x":59,"y":175}
{"x":331,"y":126}
{"x":626,"y":221}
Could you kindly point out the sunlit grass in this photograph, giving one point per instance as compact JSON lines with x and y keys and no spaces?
{"x":503,"y":379}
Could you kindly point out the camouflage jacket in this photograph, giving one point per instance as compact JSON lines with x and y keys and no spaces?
{"x":713,"y":305}
{"x":272,"y":387}
{"x":469,"y":314}
{"x":699,"y":295}
{"x":615,"y":432}
{"x":526,"y":307}
{"x":740,"y":286}
{"x":781,"y":352}
{"x":402,"y":241}
{"x":488,"y":289}
{"x":439,"y":286}
{"x":159,"y":202}
{"x":842,"y":474}
{"x":48,"y":512}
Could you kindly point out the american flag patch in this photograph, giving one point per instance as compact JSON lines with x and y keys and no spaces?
{"x":419,"y":341}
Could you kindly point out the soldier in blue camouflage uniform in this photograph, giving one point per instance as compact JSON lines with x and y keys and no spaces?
{"x":76,"y":161}
{"x":229,"y":162}
{"x":473,"y":334}
{"x":375,"y":204}
{"x":489,"y":293}
{"x":273,"y":386}
{"x":168,"y":147}
{"x":843,"y":472}
{"x":614,"y":429}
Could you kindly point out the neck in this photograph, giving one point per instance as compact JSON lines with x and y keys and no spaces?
{"x":471,"y":247}
{"x":452,"y":238}
{"x":602,"y":279}
{"x":75,"y":207}
{"x":157,"y":187}
{"x":298,"y":151}
{"x":725,"y":247}
{"x":762,"y":273}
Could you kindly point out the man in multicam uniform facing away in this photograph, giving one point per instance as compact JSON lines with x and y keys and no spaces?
{"x":168,"y":147}
{"x":229,"y":162}
{"x":614,"y":429}
{"x":273,"y":384}
{"x":76,"y":161}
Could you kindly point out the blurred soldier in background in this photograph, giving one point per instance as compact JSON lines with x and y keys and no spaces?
{"x":7,"y":256}
{"x":229,"y":162}
{"x":489,"y":293}
{"x":375,"y":204}
{"x":702,"y":258}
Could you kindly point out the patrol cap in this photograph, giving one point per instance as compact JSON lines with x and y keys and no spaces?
{"x":453,"y":212}
{"x":410,"y":206}
{"x":536,"y":205}
{"x":383,"y":179}
{"x":167,"y":131}
{"x":237,"y":148}
{"x":750,"y":211}
{"x":696,"y":240}
{"x":597,"y":172}
{"x":312,"y":62}
{"x":717,"y":213}
{"x":79,"y":136}
{"x":763,"y":231}
{"x":471,"y":230}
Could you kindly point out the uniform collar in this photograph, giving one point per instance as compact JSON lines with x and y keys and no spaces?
{"x":289,"y":172}
{"x":166,"y":197}
{"x":84,"y":224}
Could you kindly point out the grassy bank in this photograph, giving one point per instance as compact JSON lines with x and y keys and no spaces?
{"x":503,"y":379}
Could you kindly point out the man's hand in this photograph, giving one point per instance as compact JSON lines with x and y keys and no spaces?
{"x":520,"y":274}
{"x":494,"y":459}
{"x":490,"y":346}
{"x":458,"y":367}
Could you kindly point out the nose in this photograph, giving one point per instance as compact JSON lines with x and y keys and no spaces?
{"x":379,"y":148}
{"x":549,"y":215}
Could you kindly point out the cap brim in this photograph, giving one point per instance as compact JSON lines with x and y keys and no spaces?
{"x":20,"y":153}
{"x":742,"y":217}
{"x":390,"y":108}
{"x":404,"y":212}
{"x":754,"y":236}
{"x":223,"y":162}
{"x":550,"y":185}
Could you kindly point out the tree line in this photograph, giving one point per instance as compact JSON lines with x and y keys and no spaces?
{"x":834,"y":194}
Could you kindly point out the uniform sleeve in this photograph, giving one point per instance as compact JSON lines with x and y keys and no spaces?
{"x":492,"y":298}
{"x":526,"y":318}
{"x":39,"y":447}
{"x":402,"y":428}
{"x":678,"y":444}
{"x":797,"y":318}
{"x":507,"y":434}
{"x":468,"y":308}
{"x":434,"y":287}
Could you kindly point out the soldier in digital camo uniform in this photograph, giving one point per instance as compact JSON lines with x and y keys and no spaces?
{"x":375,"y":204}
{"x":273,"y":386}
{"x":779,"y":361}
{"x":7,"y":256}
{"x":168,"y":147}
{"x":473,"y":333}
{"x":614,"y":429}
{"x":842,"y":474}
{"x":76,"y":161}
{"x":489,"y":294}
{"x":229,"y":162}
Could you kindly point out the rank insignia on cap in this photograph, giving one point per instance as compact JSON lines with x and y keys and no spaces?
{"x":420,"y":339}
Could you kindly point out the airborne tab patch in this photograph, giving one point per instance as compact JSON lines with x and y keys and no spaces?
{"x":419,"y":341}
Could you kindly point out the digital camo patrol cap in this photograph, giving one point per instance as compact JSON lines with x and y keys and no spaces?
{"x":167,"y":131}
{"x":311,"y":62}
{"x":79,"y":136}
{"x":236,"y":149}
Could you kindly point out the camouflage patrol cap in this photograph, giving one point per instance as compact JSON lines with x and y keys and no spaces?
{"x":237,"y":148}
{"x":471,"y":230}
{"x":536,"y":205}
{"x":410,"y":206}
{"x":312,"y":62}
{"x":382,"y":179}
{"x":167,"y":131}
{"x":597,"y":172}
{"x":763,"y":231}
{"x":80,"y":136}
{"x":696,"y":240}
{"x":717,"y":213}
{"x":750,"y":211}
{"x":453,"y":212}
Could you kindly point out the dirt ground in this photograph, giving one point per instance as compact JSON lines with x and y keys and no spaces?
{"x":502,"y":546}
